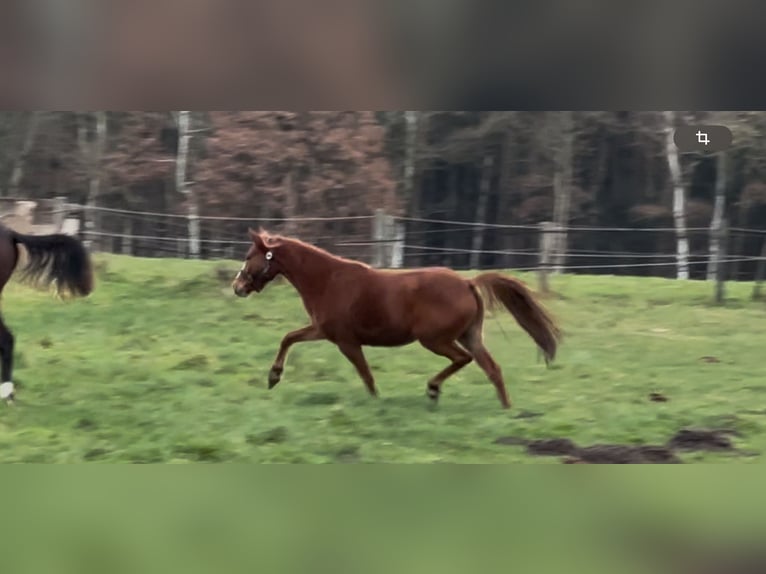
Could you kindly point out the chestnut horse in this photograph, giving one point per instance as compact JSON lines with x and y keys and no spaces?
{"x":51,"y":259}
{"x":353,"y":305}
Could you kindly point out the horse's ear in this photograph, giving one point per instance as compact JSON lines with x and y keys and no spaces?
{"x":256,"y":236}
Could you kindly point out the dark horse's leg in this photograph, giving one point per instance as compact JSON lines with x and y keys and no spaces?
{"x":8,"y":260}
{"x":354,"y":353}
{"x":309,"y":333}
{"x":6,"y":353}
{"x":459,"y":357}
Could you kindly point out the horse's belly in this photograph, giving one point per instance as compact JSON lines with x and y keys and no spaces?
{"x":385,"y":338}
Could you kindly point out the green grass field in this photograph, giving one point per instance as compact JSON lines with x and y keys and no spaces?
{"x":163,"y":364}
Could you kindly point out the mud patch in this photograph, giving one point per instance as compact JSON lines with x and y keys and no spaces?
{"x":552,"y":446}
{"x":685,"y":440}
{"x":701,"y":439}
{"x":623,"y":454}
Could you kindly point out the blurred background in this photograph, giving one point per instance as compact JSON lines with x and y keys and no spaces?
{"x":592,"y":192}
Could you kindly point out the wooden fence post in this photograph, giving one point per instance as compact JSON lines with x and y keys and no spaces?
{"x":397,"y":255}
{"x":760,"y":270}
{"x":378,"y":236}
{"x":720,"y":279}
{"x":546,"y":243}
{"x":388,"y":236}
{"x":59,"y":212}
{"x":126,"y":244}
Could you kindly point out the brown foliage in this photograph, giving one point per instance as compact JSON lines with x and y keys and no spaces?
{"x":286,"y":164}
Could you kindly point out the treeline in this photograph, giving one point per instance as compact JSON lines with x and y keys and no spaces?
{"x":582,"y":169}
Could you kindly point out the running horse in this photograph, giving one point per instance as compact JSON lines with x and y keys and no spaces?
{"x":54,"y":259}
{"x":353,"y":305}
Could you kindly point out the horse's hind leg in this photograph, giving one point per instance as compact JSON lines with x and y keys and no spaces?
{"x":472,"y":340}
{"x":459,"y":357}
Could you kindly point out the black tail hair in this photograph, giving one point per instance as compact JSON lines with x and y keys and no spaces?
{"x":57,"y":259}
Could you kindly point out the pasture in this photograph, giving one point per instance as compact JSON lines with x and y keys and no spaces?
{"x":164,"y":364}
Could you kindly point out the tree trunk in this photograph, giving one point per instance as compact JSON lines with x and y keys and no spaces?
{"x":93,"y":154}
{"x":410,"y":153}
{"x":410,"y":172}
{"x":17,"y":173}
{"x":562,"y":188}
{"x":451,"y":212}
{"x":291,"y":203}
{"x":717,"y":219}
{"x":504,"y":196}
{"x":679,"y":199}
{"x":182,"y":184}
{"x":481,"y":208}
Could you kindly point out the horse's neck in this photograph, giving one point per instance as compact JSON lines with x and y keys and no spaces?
{"x":308,"y":269}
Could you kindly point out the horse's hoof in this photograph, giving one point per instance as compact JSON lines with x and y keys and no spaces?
{"x":433,"y":393}
{"x":8,"y":392}
{"x":274,"y":377}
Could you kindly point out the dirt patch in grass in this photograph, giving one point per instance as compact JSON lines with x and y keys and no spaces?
{"x":701,"y":439}
{"x":684,"y":440}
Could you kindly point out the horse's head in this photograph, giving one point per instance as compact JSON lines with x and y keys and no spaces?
{"x":260,"y":265}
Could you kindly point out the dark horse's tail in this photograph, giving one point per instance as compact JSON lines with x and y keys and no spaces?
{"x":57,"y":259}
{"x":521,"y":303}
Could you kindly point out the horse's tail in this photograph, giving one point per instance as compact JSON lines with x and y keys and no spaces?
{"x":522,"y":304}
{"x":56,"y":259}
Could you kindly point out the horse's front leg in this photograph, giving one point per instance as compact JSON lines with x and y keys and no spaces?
{"x":309,"y":333}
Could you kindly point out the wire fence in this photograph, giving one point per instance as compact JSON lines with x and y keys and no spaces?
{"x":423,"y":241}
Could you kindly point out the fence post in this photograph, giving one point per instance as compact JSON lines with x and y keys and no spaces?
{"x":126,"y":245}
{"x":59,"y":212}
{"x":397,"y":254}
{"x":546,"y":243}
{"x":720,"y":279}
{"x":760,"y":271}
{"x":378,"y":236}
{"x":388,"y":230}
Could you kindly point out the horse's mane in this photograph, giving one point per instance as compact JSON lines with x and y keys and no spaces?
{"x":276,"y":239}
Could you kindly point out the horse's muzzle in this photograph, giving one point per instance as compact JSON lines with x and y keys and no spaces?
{"x":239,"y":292}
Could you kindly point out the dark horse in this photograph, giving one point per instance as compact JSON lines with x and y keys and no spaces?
{"x":353,"y":305}
{"x":56,"y":259}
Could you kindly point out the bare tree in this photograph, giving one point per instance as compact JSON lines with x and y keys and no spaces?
{"x":92,"y":148}
{"x":415,"y":126}
{"x":17,"y":172}
{"x":716,"y":221}
{"x":410,"y":152}
{"x":487,"y":166}
{"x":183,"y":186}
{"x":562,"y":186}
{"x":679,"y":198}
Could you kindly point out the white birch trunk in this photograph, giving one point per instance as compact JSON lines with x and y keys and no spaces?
{"x":182,"y":185}
{"x":411,"y":127}
{"x":679,"y":199}
{"x":93,"y":154}
{"x":562,"y":189}
{"x":17,"y":173}
{"x":717,"y":219}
